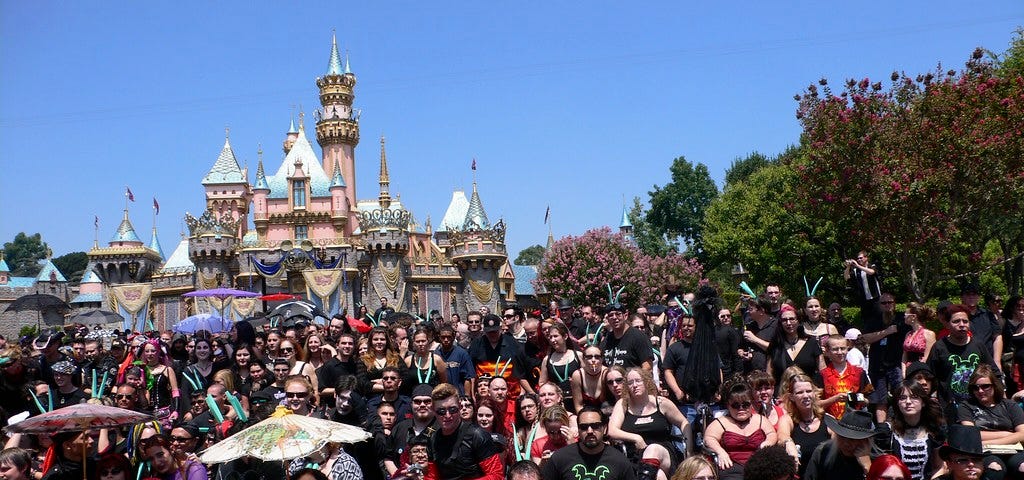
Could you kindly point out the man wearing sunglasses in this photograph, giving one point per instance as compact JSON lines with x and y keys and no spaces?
{"x":461,"y":450}
{"x":589,"y":458}
{"x":422,"y":422}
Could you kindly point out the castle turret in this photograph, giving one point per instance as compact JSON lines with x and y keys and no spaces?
{"x":339,"y":203}
{"x":478,"y":248}
{"x":211,"y":248}
{"x":5,"y":271}
{"x":125,"y":259}
{"x":227,"y":190}
{"x":626,"y":226}
{"x":290,"y":137}
{"x":386,"y":233}
{"x":337,"y":126}
{"x":260,"y":191}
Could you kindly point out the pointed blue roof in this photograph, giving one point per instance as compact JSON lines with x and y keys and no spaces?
{"x":225,"y":169}
{"x":625,"y":219}
{"x":261,"y":178}
{"x":337,"y":180}
{"x":291,"y":127}
{"x":334,"y":67}
{"x":154,"y":245}
{"x":125,"y":232}
{"x":476,"y":217}
{"x":301,"y":151}
{"x":179,"y":261}
{"x":91,"y":277}
{"x":44,"y":274}
{"x":347,"y":68}
{"x":3,"y":265}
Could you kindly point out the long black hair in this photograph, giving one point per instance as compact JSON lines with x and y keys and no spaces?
{"x":702,"y":372}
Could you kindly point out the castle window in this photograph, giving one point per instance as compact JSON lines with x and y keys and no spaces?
{"x":301,"y":232}
{"x":299,"y":193}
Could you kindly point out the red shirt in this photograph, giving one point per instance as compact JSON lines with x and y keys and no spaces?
{"x":847,"y":382}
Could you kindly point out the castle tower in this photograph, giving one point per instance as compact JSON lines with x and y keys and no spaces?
{"x":626,"y":226}
{"x":260,"y":191}
{"x":211,"y":248}
{"x":386,"y":233}
{"x":478,"y":248}
{"x":227,"y":189}
{"x":290,"y":138}
{"x":339,"y":202}
{"x":337,"y":127}
{"x":125,"y":259}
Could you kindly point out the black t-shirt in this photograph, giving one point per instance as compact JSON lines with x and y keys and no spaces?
{"x":953,"y":365}
{"x":571,"y":463}
{"x":460,"y":454}
{"x":1003,"y":417}
{"x":984,"y":328}
{"x":727,"y":339}
{"x":675,"y":360}
{"x":632,"y":350}
{"x":886,"y":353}
{"x":65,"y":399}
{"x":759,"y":360}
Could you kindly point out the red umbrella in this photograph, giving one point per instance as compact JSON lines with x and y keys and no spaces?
{"x":359,"y":325}
{"x":279,"y":297}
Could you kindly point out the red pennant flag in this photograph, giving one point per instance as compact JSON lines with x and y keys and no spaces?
{"x":131,"y":196}
{"x":474,"y":164}
{"x":96,"y":222}
{"x":547,"y":214}
{"x":156,"y":206}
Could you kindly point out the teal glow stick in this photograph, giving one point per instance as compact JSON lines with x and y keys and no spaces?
{"x":49,"y":396}
{"x":237,"y":406}
{"x":38,"y":403}
{"x":214,"y":409}
{"x":93,"y":391}
{"x":103,"y":384}
{"x":815,"y":289}
{"x":746,"y":289}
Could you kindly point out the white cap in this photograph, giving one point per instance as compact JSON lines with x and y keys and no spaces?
{"x":852,"y":334}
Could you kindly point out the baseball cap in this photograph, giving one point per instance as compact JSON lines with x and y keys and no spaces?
{"x":852,"y":334}
{"x":492,"y":323}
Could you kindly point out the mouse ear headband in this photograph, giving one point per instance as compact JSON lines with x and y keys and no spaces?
{"x":810,"y":291}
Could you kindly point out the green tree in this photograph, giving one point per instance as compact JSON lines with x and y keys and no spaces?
{"x":677,"y":209}
{"x":743,"y":168}
{"x":530,"y":255}
{"x":649,"y":241}
{"x":72,"y":265}
{"x":24,"y":253}
{"x":755,"y":222}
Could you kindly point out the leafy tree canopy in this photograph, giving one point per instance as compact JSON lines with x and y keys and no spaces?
{"x":677,"y":209}
{"x":649,"y":240}
{"x":531,"y":255}
{"x":72,"y":265}
{"x":24,"y":253}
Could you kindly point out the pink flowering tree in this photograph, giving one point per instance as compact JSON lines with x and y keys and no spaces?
{"x":923,"y":169}
{"x":580,"y":267}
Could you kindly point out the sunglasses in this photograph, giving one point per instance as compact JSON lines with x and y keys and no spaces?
{"x":593,"y":357}
{"x":725,"y":316}
{"x":296,"y":394}
{"x":112,"y":471}
{"x":507,"y":317}
{"x":287,"y":350}
{"x":966,"y":460}
{"x":446,"y":411}
{"x":124,"y":396}
{"x":981,"y":386}
{"x":613,"y":381}
{"x":587,"y":426}
{"x":740,"y":405}
{"x":181,"y":439}
{"x":421,"y":401}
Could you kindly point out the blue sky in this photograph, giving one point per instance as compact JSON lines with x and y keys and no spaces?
{"x":575,"y":105}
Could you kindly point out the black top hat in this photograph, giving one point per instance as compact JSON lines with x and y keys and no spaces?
{"x":855,"y":425}
{"x":564,"y":304}
{"x":962,"y":439}
{"x":916,"y":367}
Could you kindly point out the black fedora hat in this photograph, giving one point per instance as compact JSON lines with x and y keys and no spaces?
{"x":855,"y":425}
{"x":963,"y":439}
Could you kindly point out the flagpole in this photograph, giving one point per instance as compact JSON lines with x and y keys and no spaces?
{"x":96,"y":231}
{"x":126,"y":190}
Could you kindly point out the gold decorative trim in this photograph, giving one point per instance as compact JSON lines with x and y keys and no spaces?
{"x":483,"y":291}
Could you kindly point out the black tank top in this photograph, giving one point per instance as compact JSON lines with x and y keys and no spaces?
{"x":655,"y":428}
{"x":808,"y":441}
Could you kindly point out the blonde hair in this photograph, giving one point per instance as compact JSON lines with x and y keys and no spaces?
{"x":226,"y":378}
{"x":791,"y":406}
{"x":646,"y":377}
{"x":690,"y":467}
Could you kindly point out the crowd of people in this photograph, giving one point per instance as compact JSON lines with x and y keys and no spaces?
{"x":771,"y":389}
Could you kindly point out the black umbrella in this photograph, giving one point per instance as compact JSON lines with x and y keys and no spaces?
{"x":96,"y":317}
{"x":303,"y":309}
{"x":38,"y":302}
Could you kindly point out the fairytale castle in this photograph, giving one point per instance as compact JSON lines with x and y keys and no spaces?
{"x":302,"y":229}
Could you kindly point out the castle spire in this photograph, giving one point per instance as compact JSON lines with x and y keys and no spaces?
{"x":334,"y":67}
{"x":337,"y":180}
{"x":125,"y":233}
{"x":154,"y":245}
{"x":261,"y":175}
{"x":476,"y":217}
{"x":385,"y":196}
{"x":348,"y":69}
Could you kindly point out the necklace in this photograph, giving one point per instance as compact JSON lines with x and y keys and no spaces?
{"x":564,"y":374}
{"x":419,"y":370}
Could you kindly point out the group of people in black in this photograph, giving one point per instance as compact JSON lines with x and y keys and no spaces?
{"x":688,"y":389}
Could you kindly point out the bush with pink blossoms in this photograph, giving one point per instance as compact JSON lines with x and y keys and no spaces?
{"x":579,"y":268}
